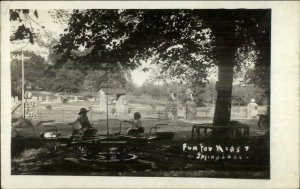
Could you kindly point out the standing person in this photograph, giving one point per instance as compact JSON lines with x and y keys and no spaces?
{"x":136,"y":127}
{"x":84,"y":122}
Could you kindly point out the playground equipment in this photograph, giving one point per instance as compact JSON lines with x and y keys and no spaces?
{"x":118,"y":146}
{"x":204,"y":131}
{"x":263,"y":121}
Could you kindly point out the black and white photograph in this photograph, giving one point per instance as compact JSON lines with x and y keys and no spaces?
{"x":141,"y":92}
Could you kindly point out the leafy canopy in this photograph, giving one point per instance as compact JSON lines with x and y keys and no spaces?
{"x":23,"y":30}
{"x":175,"y":40}
{"x":183,"y":43}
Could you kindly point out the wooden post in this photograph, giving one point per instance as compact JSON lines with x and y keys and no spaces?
{"x":62,"y":115}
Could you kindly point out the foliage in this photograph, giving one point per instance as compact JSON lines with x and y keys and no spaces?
{"x":65,"y":101}
{"x":198,"y":91}
{"x":152,"y":90}
{"x":60,"y":15}
{"x":185,"y":44}
{"x":29,"y":154}
{"x":122,"y":38}
{"x":48,"y":107}
{"x":178,"y":88}
{"x":204,"y":95}
{"x":210,"y":93}
{"x":42,"y":76}
{"x":23,"y":31}
{"x":181,"y":42}
{"x":48,"y":40}
{"x":153,"y":106}
{"x":171,"y":110}
{"x":190,"y":110}
{"x":35,"y":69}
{"x":16,"y":82}
{"x":132,"y":88}
{"x":67,"y":81}
{"x":92,"y":80}
{"x":98,"y":32}
{"x":242,"y":95}
{"x":259,"y":77}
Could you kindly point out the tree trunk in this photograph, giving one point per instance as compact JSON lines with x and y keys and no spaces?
{"x":223,"y":28}
{"x":224,"y":92}
{"x":225,"y":54}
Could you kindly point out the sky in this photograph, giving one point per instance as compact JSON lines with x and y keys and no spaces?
{"x":139,"y":77}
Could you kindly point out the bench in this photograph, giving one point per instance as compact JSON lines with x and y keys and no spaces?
{"x":200,"y":131}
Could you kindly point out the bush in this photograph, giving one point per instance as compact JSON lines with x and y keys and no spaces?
{"x":113,"y":110}
{"x":88,"y":96}
{"x":171,"y":110}
{"x":29,"y":154}
{"x":153,"y":106}
{"x":65,"y":100}
{"x":48,"y":107}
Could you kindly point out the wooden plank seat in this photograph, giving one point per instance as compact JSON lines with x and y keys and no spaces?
{"x":200,"y":131}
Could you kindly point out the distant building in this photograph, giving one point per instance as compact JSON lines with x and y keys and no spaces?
{"x":117,"y":92}
{"x":116,"y":99}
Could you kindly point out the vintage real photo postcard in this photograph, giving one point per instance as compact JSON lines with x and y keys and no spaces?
{"x":141,"y":94}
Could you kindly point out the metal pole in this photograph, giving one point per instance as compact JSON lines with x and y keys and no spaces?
{"x":23,"y":90}
{"x":62,"y":115}
{"x":177,"y":96}
{"x":213,"y":96}
{"x":107,"y":114}
{"x":107,"y":132}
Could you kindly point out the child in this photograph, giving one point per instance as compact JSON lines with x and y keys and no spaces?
{"x":136,"y":127}
{"x":84,"y":122}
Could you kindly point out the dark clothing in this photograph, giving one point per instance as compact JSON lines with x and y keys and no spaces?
{"x":84,"y":122}
{"x":135,"y":131}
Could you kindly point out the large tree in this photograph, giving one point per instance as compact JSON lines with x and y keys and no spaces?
{"x":184,"y":43}
{"x":237,"y":31}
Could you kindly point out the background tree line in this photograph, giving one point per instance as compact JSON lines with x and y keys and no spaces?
{"x":42,"y":76}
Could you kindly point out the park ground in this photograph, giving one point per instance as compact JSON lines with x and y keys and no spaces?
{"x":42,"y":159}
{"x":61,"y":114}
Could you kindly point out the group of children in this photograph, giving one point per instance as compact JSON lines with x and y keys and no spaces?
{"x":85,"y":125}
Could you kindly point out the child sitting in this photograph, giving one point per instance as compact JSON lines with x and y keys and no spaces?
{"x":84,"y":122}
{"x":136,"y":127}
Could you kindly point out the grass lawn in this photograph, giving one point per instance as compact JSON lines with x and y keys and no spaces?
{"x":114,"y":126}
{"x":181,"y":127}
{"x":37,"y":158}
